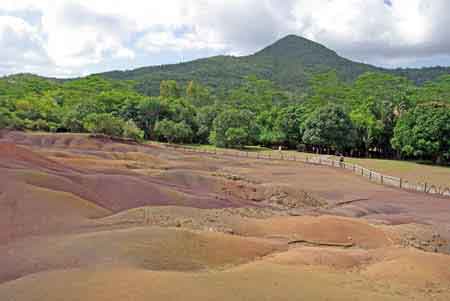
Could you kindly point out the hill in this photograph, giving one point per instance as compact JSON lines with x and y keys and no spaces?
{"x":289,"y":62}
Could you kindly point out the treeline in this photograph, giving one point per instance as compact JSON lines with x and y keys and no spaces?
{"x":378,"y":115}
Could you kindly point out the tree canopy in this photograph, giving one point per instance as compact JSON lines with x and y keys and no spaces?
{"x":378,"y":114}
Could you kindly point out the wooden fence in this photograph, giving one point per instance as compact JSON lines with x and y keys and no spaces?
{"x":371,"y":175}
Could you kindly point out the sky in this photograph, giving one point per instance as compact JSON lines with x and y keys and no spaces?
{"x":68,"y":38}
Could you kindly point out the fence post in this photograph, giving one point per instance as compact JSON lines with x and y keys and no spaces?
{"x":401,"y":183}
{"x":425,"y":187}
{"x":381,"y":178}
{"x":370,"y":175}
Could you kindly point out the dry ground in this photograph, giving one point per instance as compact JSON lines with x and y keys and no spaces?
{"x":89,"y":219}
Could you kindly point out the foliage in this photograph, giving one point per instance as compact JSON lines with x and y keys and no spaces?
{"x":130,"y":130}
{"x":104,"y":123}
{"x":169,"y":89}
{"x":289,"y":63}
{"x":204,"y":119}
{"x":236,"y":137}
{"x":329,"y":128}
{"x":289,"y":125}
{"x":171,"y":131}
{"x":295,"y":93}
{"x":198,"y":95}
{"x":424,"y":132}
{"x":243,"y":125}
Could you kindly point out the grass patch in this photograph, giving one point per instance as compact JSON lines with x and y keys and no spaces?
{"x":412,"y":171}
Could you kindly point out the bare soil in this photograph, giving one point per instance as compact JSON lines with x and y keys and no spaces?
{"x":93,"y":219}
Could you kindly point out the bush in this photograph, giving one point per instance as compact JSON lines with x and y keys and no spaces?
{"x":104,"y":123}
{"x":236,"y":137}
{"x":244,"y":128}
{"x":40,"y":125}
{"x":171,"y":131}
{"x":130,"y":130}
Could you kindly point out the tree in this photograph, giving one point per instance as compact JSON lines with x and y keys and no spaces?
{"x":329,"y":128}
{"x":269,"y":134}
{"x":377,"y":100}
{"x":326,"y":88}
{"x":197,"y":94}
{"x":169,"y":89}
{"x":233,"y":118}
{"x":149,"y":112}
{"x":130,"y":130}
{"x":173,"y":132}
{"x":257,"y":95}
{"x":424,"y":132}
{"x":289,"y":124}
{"x":104,"y":123}
{"x":180,"y":110}
{"x":204,"y":119}
{"x":437,"y":90}
{"x":236,"y":137}
{"x":8,"y":120}
{"x":74,"y":115}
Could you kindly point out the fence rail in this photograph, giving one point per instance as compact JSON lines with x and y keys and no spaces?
{"x":371,"y":175}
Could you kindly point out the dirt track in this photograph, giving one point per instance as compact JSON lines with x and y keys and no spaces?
{"x":132,"y":217}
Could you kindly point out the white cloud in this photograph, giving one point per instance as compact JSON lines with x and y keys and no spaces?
{"x":168,"y":41}
{"x":20,"y":44}
{"x":81,"y":36}
{"x":77,"y":36}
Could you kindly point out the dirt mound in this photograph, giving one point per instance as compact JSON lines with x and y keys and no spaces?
{"x":63,"y":140}
{"x":322,"y":229}
{"x":410,"y":267}
{"x":92,"y":219}
{"x":252,"y":282}
{"x":16,"y":156}
{"x":27,"y":210}
{"x":334,"y":258}
{"x":149,"y":248}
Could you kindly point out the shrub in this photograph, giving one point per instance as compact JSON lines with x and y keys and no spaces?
{"x":172,"y":131}
{"x":130,"y":130}
{"x":236,"y":137}
{"x":104,"y":123}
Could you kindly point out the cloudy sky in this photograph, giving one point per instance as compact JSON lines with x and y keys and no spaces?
{"x":67,"y":38}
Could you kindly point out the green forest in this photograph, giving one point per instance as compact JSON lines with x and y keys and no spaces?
{"x":376,"y":115}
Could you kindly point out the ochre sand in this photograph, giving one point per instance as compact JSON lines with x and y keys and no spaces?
{"x":89,"y":219}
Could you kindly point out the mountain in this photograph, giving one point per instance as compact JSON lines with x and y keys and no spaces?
{"x":289,"y":62}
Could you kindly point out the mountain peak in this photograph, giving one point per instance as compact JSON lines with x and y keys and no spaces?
{"x":295,"y":46}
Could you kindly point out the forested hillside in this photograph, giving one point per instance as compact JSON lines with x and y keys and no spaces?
{"x":290,"y":63}
{"x":299,"y":94}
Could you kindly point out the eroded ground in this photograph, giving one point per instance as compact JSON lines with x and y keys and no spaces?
{"x":86,"y":219}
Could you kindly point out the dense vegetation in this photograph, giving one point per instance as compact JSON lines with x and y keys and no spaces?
{"x":290,"y":63}
{"x":376,"y":115}
{"x":341,"y":110}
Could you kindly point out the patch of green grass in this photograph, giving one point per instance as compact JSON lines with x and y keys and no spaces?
{"x":412,"y":171}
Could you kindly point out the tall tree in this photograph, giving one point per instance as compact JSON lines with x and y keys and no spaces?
{"x":169,"y":89}
{"x":329,"y":128}
{"x":237,"y":119}
{"x":424,"y":132}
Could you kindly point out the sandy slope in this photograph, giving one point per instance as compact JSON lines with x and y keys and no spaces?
{"x":87,"y":219}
